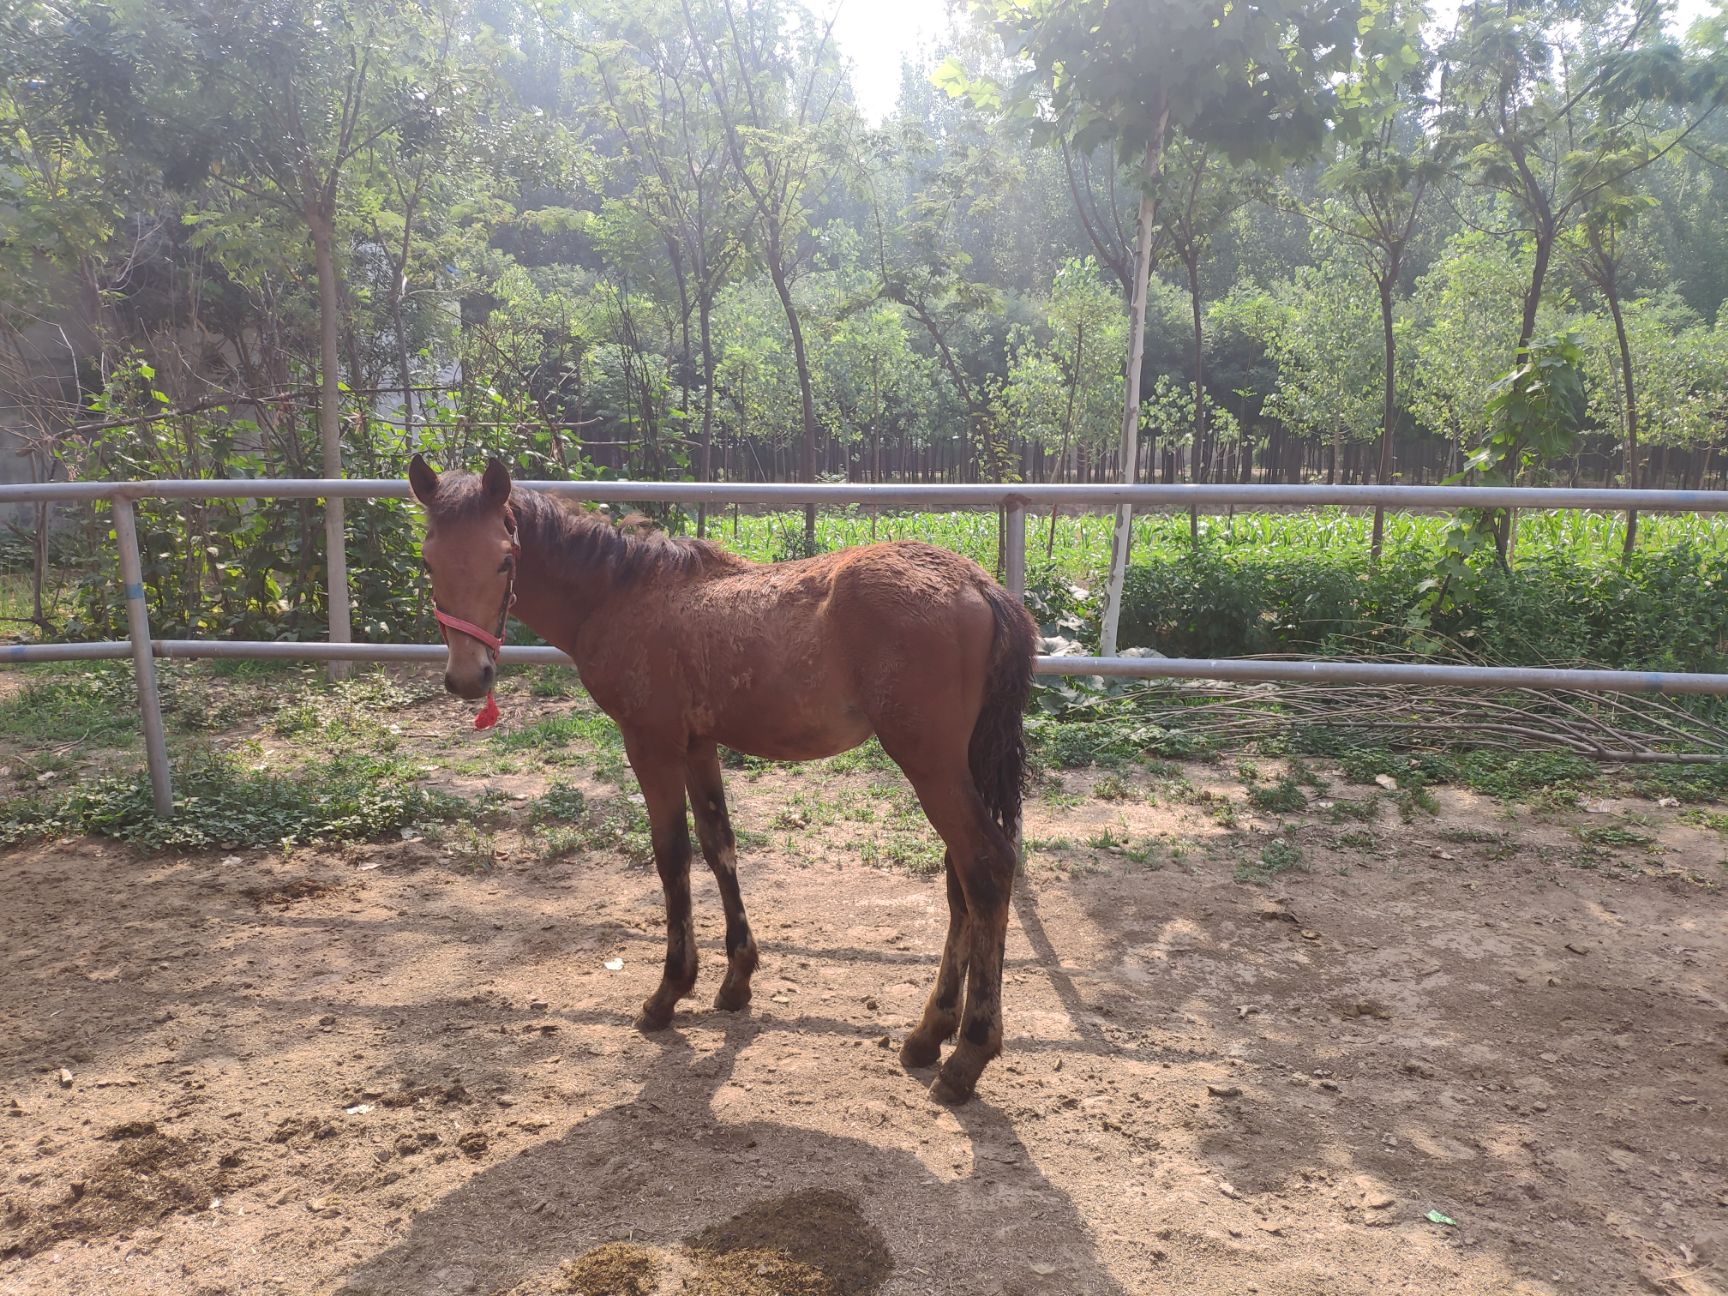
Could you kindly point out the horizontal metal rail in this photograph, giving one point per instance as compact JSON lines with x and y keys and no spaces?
{"x":1248,"y":669}
{"x":1013,"y":499}
{"x":1175,"y":495}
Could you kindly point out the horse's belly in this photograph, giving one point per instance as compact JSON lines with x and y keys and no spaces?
{"x":792,"y":734}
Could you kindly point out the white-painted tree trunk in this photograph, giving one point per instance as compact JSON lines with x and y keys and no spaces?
{"x":330,"y":438}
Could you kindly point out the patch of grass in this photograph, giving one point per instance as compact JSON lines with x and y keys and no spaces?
{"x":1075,"y":744}
{"x":560,"y":803}
{"x":1363,"y":810}
{"x":96,"y":705}
{"x":1691,"y":784}
{"x":1717,"y":821}
{"x":1516,"y":775}
{"x":1613,"y":835}
{"x":805,"y":810}
{"x":919,"y":856}
{"x":1111,"y":788}
{"x":1468,"y":836}
{"x":868,"y":755}
{"x":594,"y":728}
{"x":552,"y":682}
{"x":1105,"y":839}
{"x":1145,"y":854}
{"x":1283,"y":797}
{"x":1278,"y":856}
{"x":220,"y":804}
{"x":1358,"y":839}
{"x":1413,"y":798}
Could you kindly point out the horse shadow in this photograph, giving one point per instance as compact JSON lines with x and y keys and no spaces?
{"x":967,"y":1213}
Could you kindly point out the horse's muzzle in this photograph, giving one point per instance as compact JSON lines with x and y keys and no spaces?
{"x":471,"y":687}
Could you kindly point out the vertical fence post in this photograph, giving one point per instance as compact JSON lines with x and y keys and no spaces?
{"x":143,"y":661}
{"x":336,"y":567}
{"x":1014,"y":562}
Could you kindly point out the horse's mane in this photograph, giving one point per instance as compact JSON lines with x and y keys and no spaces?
{"x":574,"y":537}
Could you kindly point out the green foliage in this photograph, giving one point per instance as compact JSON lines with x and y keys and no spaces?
{"x":220,"y":803}
{"x":1283,"y":797}
{"x":559,"y":803}
{"x":1278,"y":856}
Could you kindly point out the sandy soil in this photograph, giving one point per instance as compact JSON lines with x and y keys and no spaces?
{"x":384,"y":1070}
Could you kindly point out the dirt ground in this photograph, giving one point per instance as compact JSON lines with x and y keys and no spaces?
{"x":1441,"y":1058}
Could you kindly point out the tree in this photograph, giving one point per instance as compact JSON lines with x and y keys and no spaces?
{"x":1321,"y":329}
{"x":1550,"y":116}
{"x":651,"y":78}
{"x":1251,"y":83}
{"x":289,"y":94}
{"x":774,"y":85}
{"x":1065,"y":387}
{"x":1467,"y":321}
{"x":1384,"y":172}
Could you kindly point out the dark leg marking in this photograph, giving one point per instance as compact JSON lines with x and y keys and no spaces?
{"x":720,"y":849}
{"x":942,"y":1011}
{"x":663,"y":790}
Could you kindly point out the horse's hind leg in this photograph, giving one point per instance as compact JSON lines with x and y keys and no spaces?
{"x":942,"y":1011}
{"x":719,"y":848}
{"x":662,"y":783}
{"x":983,"y":864}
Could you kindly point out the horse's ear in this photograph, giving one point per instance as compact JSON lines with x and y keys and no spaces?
{"x":422,"y":480}
{"x":495,"y":482}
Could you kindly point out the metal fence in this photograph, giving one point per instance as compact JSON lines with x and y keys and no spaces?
{"x":1012,"y":500}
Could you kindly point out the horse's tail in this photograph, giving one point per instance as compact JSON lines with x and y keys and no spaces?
{"x":998,"y":751}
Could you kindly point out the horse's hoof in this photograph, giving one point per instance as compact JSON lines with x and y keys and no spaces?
{"x":917,"y":1052}
{"x":732,"y":998}
{"x":948,"y":1093}
{"x":653,"y":1018}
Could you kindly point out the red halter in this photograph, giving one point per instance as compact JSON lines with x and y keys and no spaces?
{"x":494,"y":642}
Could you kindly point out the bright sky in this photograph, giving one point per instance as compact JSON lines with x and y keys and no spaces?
{"x":876,"y":34}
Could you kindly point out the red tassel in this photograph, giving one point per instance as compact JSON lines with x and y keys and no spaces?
{"x":488,"y":714}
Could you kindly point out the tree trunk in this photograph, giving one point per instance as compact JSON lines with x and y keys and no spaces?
{"x":399,"y":290}
{"x":1124,"y":529}
{"x":1201,"y":456}
{"x":1611,"y":291}
{"x":1389,"y":413}
{"x":806,"y":393}
{"x":1067,"y":426}
{"x":705,"y":309}
{"x":330,"y":432}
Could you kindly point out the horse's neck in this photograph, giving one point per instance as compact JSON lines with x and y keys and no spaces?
{"x":555,"y":598}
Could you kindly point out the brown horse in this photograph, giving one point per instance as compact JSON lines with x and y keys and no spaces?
{"x":688,"y":647}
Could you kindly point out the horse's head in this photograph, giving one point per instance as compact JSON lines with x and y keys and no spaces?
{"x":470,"y":551}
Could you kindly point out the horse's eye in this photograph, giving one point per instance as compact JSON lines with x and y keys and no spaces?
{"x":505,"y":565}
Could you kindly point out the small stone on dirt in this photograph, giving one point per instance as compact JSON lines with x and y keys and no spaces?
{"x":1577,"y":947}
{"x":1224,"y":1090}
{"x":474,"y":1143}
{"x":885,"y":1042}
{"x":538,"y":1005}
{"x":65,"y":1078}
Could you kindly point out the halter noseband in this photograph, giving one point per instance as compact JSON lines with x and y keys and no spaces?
{"x":494,"y":643}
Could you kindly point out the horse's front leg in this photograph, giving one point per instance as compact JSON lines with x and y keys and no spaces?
{"x":719,"y":848}
{"x":662,"y":779}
